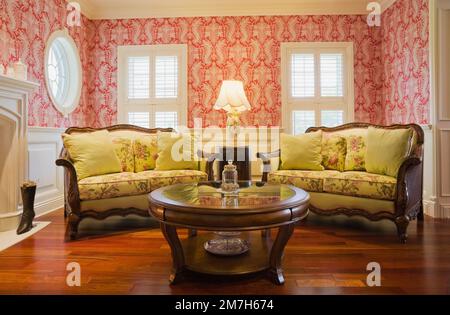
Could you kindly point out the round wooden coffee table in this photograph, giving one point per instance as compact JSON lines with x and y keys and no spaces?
{"x":204,"y":207}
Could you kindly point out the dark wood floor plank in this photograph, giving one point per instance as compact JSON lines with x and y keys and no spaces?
{"x":324,"y":256}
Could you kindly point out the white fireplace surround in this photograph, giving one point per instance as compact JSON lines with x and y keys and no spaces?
{"x":13,"y":148}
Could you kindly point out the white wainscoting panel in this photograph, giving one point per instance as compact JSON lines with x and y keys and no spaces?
{"x":44,"y":146}
{"x":429,"y":184}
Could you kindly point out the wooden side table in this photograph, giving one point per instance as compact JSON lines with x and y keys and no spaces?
{"x":240,"y":157}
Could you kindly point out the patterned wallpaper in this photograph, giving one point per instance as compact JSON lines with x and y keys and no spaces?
{"x":25,"y":26}
{"x":406,"y":72}
{"x":242,"y":48}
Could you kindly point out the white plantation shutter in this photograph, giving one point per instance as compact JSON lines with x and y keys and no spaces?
{"x":152,"y":85}
{"x":139,"y":77}
{"x":332,"y":118}
{"x":331,"y":75}
{"x":302,"y":75}
{"x":317,"y":84}
{"x":166,"y":120}
{"x":166,"y":76}
{"x":141,"y":119}
{"x":302,"y":120}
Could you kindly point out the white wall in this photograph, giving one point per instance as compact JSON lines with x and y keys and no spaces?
{"x":44,"y":146}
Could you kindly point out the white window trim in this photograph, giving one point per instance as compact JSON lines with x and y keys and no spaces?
{"x":74,"y":80}
{"x":151,"y":105}
{"x":288,"y":103}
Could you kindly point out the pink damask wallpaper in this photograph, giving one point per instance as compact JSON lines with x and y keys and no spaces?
{"x":241,"y":48}
{"x":391,"y":65}
{"x":406,"y":71}
{"x":25,"y":26}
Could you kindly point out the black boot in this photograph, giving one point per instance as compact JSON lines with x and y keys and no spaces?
{"x":28,"y":191}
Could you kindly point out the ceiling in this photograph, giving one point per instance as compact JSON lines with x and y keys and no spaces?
{"x":114,"y":9}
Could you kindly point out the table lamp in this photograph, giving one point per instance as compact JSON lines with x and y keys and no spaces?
{"x":233,"y":100}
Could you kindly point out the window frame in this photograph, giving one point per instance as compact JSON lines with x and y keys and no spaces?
{"x":152,"y":104}
{"x":316,"y":103}
{"x":74,"y":72}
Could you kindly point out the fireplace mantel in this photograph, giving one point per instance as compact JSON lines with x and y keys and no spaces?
{"x":13,"y":147}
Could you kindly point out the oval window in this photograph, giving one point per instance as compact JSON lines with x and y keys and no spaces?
{"x":63,"y":72}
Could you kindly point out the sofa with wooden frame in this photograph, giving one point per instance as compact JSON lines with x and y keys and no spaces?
{"x":402,"y":203}
{"x":118,"y":194}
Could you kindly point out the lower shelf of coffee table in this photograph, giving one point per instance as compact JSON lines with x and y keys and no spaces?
{"x":197,"y":259}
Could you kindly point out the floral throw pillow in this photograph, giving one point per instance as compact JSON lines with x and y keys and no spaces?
{"x":356,"y":154}
{"x":145,"y":153}
{"x":124,"y":151}
{"x":334,"y":148}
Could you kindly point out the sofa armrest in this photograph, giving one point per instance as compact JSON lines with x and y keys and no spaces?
{"x":210,"y":158}
{"x":409,"y":187}
{"x":71,"y":192}
{"x":267,"y":157}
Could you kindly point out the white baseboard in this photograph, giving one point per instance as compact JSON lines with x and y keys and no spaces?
{"x":429,"y":208}
{"x":47,"y":206}
{"x":444,"y":212}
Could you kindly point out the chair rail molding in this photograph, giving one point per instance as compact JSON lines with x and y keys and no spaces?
{"x":13,"y":143}
{"x":44,"y":145}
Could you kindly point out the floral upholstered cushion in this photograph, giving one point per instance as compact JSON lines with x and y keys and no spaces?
{"x":334,"y":148}
{"x":124,"y":151}
{"x":355,"y":159}
{"x":145,"y":152}
{"x":132,"y":184}
{"x":113,"y":185}
{"x":307,"y":180}
{"x":160,"y":179}
{"x":362,"y":184}
{"x":356,"y":184}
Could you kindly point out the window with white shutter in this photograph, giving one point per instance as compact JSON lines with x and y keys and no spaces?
{"x":317,"y":85}
{"x":141,"y":119}
{"x":152,"y":85}
{"x":302,"y":75}
{"x":302,"y":120}
{"x":139,"y":77}
{"x":166,"y":120}
{"x":166,"y":76}
{"x":331,"y":75}
{"x":332,"y":118}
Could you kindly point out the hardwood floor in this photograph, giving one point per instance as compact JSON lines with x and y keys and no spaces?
{"x":324,"y":256}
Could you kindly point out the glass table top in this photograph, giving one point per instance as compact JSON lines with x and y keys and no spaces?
{"x":205,"y":195}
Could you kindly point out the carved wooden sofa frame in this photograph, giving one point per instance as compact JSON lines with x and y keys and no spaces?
{"x":72,"y":202}
{"x":409,"y":191}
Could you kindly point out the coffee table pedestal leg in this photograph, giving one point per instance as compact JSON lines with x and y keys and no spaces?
{"x":171,"y":236}
{"x":276,"y":254}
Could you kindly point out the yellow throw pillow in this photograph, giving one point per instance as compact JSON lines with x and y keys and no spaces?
{"x":301,"y":152}
{"x":92,"y":153}
{"x":175,"y":152}
{"x":334,"y":148}
{"x":124,"y":151}
{"x":356,"y":154}
{"x":387,"y":150}
{"x":145,"y":152}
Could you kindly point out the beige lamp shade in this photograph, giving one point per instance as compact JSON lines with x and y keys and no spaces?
{"x":232,"y":97}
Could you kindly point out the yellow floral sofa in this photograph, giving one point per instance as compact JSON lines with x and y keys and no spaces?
{"x":345,"y":187}
{"x":124,"y":192}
